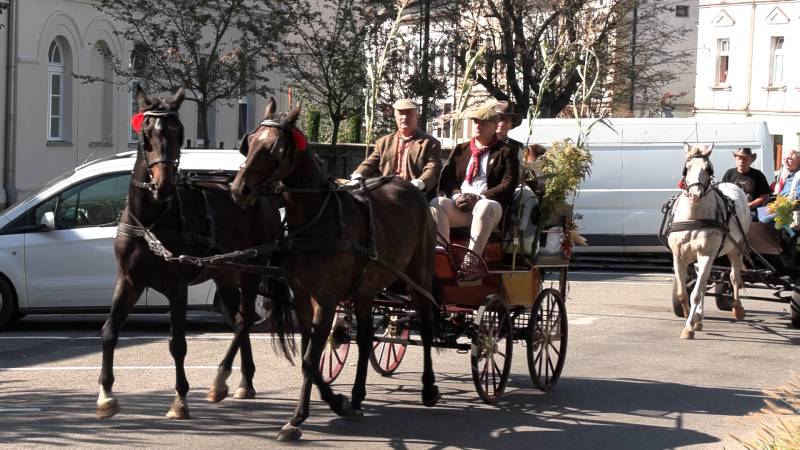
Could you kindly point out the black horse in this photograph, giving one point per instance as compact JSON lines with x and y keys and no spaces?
{"x":187,"y":221}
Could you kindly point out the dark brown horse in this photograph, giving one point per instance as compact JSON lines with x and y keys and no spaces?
{"x":398,"y":226}
{"x":187,"y":221}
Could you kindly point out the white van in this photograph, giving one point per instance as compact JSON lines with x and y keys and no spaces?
{"x":637,"y":166}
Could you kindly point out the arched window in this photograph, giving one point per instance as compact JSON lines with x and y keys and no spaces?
{"x":55,"y":90}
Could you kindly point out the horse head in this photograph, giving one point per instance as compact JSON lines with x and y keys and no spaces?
{"x":270,"y":151}
{"x":697,"y":171}
{"x":161,"y":137}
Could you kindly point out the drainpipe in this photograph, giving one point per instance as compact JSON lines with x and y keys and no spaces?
{"x":9,"y":158}
{"x":750,"y":61}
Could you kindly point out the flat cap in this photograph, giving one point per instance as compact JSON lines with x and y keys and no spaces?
{"x":485,"y":114}
{"x":505,"y":108}
{"x":404,"y":103}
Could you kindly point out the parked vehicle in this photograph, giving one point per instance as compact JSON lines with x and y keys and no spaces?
{"x":56,"y":252}
{"x":636,"y":168}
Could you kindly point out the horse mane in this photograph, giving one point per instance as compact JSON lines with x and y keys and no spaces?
{"x":694,"y":151}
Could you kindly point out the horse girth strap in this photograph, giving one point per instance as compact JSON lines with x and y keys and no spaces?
{"x":699,"y":224}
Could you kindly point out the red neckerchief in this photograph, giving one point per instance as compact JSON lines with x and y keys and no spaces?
{"x":475,"y":165}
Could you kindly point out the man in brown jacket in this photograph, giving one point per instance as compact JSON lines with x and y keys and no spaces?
{"x":409,"y":153}
{"x":478,"y":180}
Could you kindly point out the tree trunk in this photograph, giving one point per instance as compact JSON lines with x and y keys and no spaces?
{"x":202,"y":111}
{"x":334,"y":140}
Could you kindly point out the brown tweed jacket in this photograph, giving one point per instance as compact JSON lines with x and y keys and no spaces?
{"x":424,"y":159}
{"x":502,"y":172}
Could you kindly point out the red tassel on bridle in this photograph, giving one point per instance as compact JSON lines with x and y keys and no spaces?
{"x":299,"y":139}
{"x":136,"y":122}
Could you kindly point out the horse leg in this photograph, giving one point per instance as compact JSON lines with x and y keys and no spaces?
{"x":737,"y":263}
{"x":177,"y":347}
{"x":291,"y":431}
{"x":694,"y":321}
{"x":247,"y":309}
{"x":363,"y":306}
{"x":228,"y":304}
{"x":125,"y":296}
{"x":680,"y":267}
{"x":430,"y":393}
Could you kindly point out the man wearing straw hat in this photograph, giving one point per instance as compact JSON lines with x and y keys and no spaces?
{"x":478,"y":180}
{"x":751,"y":180}
{"x":409,"y":153}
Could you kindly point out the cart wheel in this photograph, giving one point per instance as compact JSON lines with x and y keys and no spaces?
{"x":794,"y":305}
{"x":336,"y":348}
{"x":386,"y":356}
{"x":547,"y":339}
{"x":491,"y":349}
{"x":677,"y":307}
{"x":723,"y":294}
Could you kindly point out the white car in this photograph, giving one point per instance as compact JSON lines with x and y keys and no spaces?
{"x":71,"y":268}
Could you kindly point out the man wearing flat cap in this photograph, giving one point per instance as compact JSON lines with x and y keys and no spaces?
{"x":508,"y":119}
{"x":751,"y":180}
{"x":478,"y":180}
{"x":409,"y":153}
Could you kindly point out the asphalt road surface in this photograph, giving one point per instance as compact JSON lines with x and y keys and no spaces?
{"x":629,"y":383}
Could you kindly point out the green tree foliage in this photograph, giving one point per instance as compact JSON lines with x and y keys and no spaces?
{"x":354,"y":129}
{"x":312,"y":124}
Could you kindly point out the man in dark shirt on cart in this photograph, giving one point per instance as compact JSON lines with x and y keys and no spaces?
{"x":751,"y":180}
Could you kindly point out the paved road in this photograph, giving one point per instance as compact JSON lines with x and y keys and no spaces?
{"x":629,"y":382}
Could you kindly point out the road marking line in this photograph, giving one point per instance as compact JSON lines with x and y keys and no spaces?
{"x":18,"y":410}
{"x":582,"y":320}
{"x":637,"y":283}
{"x":65,"y":368}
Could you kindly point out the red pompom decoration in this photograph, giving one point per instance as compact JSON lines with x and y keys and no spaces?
{"x":682,"y":185}
{"x":136,"y":122}
{"x":300,"y":141}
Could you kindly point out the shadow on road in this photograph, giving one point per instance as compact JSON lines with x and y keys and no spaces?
{"x":580,"y":413}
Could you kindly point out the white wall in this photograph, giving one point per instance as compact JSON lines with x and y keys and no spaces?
{"x":750,"y":26}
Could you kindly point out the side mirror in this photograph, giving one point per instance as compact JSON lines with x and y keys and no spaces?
{"x":48,"y":221}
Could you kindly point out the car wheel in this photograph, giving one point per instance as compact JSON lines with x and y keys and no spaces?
{"x":8,"y":304}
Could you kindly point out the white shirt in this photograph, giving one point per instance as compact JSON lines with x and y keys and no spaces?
{"x":478,"y":184}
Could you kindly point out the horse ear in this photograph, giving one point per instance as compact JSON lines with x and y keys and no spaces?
{"x":141,"y":98}
{"x":708,"y":149}
{"x":177,"y":99}
{"x":291,"y":118}
{"x":687,"y":148}
{"x":270,"y":109}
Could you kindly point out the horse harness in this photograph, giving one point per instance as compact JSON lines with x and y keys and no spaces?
{"x":148,"y":184}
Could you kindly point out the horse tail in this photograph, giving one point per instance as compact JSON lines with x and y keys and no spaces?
{"x":282,"y":317}
{"x":436,"y":291}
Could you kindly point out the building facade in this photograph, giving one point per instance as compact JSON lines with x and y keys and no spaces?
{"x":747,"y":65}
{"x":53,"y":122}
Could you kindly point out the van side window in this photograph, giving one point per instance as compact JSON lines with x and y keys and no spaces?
{"x":94,"y":203}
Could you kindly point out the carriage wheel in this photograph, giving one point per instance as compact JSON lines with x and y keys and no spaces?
{"x":723,"y":294}
{"x":386,"y":356}
{"x":547,"y":339}
{"x":491,"y":349}
{"x":794,"y":306}
{"x":337,"y":347}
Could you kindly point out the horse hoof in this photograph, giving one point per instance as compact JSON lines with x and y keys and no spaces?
{"x":738,"y":313}
{"x":245,"y":393}
{"x":697,"y":327}
{"x":345,"y":409}
{"x":355,"y":415}
{"x":178,"y":412}
{"x":289,"y":433}
{"x":107,"y":409}
{"x":432,"y":397}
{"x":687,"y":334}
{"x":217,"y":395}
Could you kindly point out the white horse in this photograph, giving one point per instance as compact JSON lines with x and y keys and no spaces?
{"x":705,"y":226}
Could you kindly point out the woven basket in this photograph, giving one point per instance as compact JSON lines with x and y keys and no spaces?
{"x":468,"y":264}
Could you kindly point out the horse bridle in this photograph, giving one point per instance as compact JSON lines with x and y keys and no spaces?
{"x":269,"y":123}
{"x":164,"y":159}
{"x":703,"y":186}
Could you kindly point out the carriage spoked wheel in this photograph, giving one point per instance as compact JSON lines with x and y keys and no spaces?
{"x":337,"y":346}
{"x":794,"y":306}
{"x":723,"y":293}
{"x":491,"y":348}
{"x":387,"y":356}
{"x":547,"y":339}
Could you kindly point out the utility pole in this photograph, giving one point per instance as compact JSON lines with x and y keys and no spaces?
{"x":426,"y":28}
